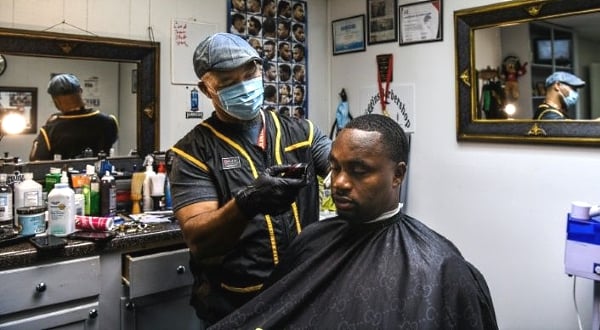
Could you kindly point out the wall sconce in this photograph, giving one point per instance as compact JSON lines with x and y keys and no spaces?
{"x":11,"y":123}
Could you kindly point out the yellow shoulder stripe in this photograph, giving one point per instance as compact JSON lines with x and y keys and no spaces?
{"x":190,"y":158}
{"x":306,"y":143}
{"x":46,"y":139}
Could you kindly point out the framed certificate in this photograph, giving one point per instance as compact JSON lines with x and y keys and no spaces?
{"x":420,"y":22}
{"x":348,"y":35}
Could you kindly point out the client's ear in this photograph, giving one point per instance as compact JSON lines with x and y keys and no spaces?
{"x":399,"y":173}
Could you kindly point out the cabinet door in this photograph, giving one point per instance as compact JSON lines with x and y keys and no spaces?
{"x":77,"y":317}
{"x":166,"y":310}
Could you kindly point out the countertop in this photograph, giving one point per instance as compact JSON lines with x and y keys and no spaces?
{"x":152,"y":236}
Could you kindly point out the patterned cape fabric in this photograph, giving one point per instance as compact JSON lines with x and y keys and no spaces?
{"x":393,"y":274}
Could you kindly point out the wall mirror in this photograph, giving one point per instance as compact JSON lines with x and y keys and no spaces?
{"x":136,"y":64}
{"x":549,"y":35}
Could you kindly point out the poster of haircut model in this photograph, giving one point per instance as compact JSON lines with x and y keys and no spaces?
{"x":277,"y":29}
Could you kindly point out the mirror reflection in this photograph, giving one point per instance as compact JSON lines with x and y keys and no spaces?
{"x":120,"y":77}
{"x":513,"y":63}
{"x":537,"y":37}
{"x":106,"y":86}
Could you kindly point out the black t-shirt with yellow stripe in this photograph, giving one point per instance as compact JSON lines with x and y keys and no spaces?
{"x":70,"y":134}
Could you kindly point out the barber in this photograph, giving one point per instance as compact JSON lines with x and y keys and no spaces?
{"x":561,"y":96}
{"x":236,"y":211}
{"x":74,"y":128}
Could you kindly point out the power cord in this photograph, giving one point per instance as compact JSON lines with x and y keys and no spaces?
{"x":575,"y":303}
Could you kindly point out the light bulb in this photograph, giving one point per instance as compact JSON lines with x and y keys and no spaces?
{"x":510,"y":109}
{"x":13,"y":123}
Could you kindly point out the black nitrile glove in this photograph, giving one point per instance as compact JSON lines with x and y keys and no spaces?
{"x":271,"y":193}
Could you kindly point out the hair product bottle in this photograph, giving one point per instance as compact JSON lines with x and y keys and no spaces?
{"x":91,"y":193}
{"x":6,"y":201}
{"x":108,"y":195}
{"x":61,"y":210}
{"x":147,"y":187}
{"x":26,"y":193}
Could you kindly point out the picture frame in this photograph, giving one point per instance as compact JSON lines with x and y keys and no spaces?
{"x":348,"y":35}
{"x":382,"y":21}
{"x":420,"y":22}
{"x":21,"y":100}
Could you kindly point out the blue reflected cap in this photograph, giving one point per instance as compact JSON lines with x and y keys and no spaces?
{"x":222,"y":52}
{"x":64,"y":84}
{"x":565,"y":78}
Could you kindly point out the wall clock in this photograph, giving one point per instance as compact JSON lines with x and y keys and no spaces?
{"x":2,"y":64}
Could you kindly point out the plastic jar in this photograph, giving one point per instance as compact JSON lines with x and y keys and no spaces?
{"x":32,"y":220}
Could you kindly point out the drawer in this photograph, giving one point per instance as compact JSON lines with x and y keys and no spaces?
{"x":157,"y":272}
{"x":83,"y":316}
{"x":36,"y":286}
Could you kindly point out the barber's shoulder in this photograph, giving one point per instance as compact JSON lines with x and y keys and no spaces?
{"x":53,"y":117}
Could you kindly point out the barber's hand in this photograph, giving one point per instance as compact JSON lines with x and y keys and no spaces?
{"x":270,"y":193}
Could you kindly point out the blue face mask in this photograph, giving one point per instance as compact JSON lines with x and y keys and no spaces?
{"x":571,"y":99}
{"x":243,"y":100}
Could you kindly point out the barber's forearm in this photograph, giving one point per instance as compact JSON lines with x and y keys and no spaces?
{"x":211,"y":231}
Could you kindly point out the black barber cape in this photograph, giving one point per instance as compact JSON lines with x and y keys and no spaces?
{"x":395,"y":273}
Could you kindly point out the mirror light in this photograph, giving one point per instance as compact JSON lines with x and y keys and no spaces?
{"x":510,"y":109}
{"x":13,"y":123}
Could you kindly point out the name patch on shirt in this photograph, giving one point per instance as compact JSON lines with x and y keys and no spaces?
{"x":231,"y":163}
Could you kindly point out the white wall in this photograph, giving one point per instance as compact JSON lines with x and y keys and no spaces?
{"x":503,"y":205}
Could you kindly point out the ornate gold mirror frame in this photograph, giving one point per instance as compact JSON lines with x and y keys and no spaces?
{"x":472,"y":128}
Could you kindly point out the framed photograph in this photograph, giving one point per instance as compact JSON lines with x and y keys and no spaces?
{"x":348,"y":35}
{"x":420,"y":22}
{"x":382,"y":25}
{"x":23,"y":101}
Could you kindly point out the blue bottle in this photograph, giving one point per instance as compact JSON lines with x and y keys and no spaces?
{"x":194,"y":99}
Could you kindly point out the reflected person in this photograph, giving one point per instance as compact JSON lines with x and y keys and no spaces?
{"x":561,"y":95}
{"x":75,"y":128}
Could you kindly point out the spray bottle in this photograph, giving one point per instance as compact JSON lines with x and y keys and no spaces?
{"x":146,"y":188}
{"x":108,"y":195}
{"x":158,"y":187}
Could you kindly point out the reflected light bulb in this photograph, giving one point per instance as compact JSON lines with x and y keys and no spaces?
{"x":13,"y":123}
{"x":510,"y":109}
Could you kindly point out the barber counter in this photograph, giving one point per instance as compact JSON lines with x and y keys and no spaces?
{"x":138,"y":280}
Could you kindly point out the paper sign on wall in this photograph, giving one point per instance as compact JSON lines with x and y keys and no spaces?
{"x":400,"y":104}
{"x":185,"y":36}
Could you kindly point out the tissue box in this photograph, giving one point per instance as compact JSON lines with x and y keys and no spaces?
{"x":582,"y":249}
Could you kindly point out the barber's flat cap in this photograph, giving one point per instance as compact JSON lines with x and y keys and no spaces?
{"x":222,"y":52}
{"x":565,"y":78}
{"x":64,"y":84}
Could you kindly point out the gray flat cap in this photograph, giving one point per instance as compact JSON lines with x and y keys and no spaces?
{"x":222,"y":52}
{"x":64,"y":84}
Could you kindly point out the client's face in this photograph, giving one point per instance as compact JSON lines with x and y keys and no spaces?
{"x":364,"y":181}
